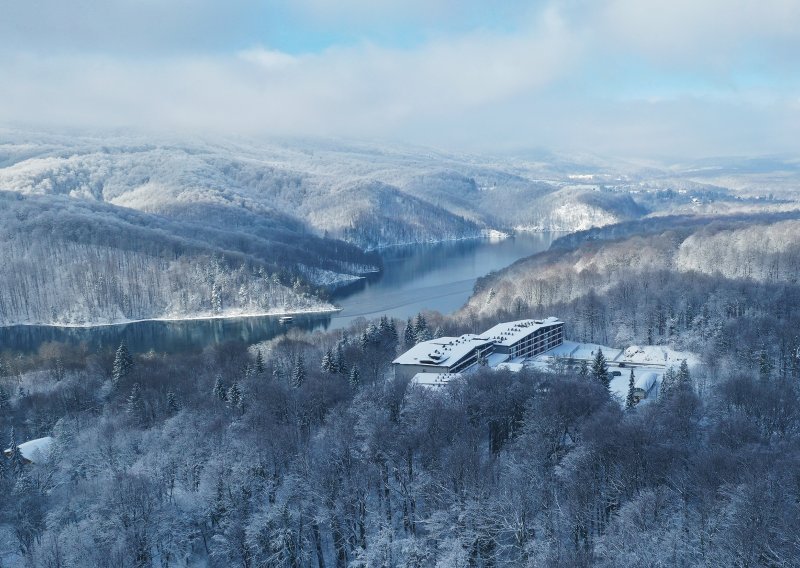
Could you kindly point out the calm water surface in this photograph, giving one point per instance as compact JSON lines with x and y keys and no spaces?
{"x":421,"y":277}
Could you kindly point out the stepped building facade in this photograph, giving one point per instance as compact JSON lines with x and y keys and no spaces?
{"x":509,"y":341}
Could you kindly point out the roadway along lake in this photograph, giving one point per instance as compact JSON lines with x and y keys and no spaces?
{"x":415,"y":278}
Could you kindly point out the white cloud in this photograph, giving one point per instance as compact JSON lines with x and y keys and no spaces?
{"x":699,"y":32}
{"x":552,"y":76}
{"x":364,"y":89}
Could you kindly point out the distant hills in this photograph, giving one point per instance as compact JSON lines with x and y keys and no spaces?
{"x":309,"y":211}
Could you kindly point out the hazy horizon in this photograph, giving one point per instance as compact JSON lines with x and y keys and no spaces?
{"x":613,"y":78}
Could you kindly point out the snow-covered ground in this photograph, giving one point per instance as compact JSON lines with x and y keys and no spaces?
{"x":574,"y":350}
{"x":658,"y":355}
{"x":648,"y":363}
{"x":228,"y":314}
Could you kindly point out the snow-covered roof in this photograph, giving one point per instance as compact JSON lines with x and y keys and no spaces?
{"x":442,"y":352}
{"x":434,"y":380}
{"x":37,"y":450}
{"x":508,"y":333}
{"x":646,"y":381}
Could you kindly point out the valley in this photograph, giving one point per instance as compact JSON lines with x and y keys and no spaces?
{"x":310,"y":216}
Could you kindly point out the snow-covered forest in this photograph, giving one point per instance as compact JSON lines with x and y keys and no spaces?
{"x":304,"y":451}
{"x":303,"y":209}
{"x":72,"y":262}
{"x":333,"y":187}
{"x":673,"y":283}
{"x":400,"y":284}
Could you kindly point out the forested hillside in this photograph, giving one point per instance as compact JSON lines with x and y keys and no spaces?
{"x":75,"y":262}
{"x":334,"y":187}
{"x":308,"y":209}
{"x":687,"y":285}
{"x":305,"y":451}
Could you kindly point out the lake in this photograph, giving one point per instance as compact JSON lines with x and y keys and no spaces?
{"x":420,"y":277}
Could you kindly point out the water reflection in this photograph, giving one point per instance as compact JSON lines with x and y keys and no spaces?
{"x":436,"y":277}
{"x":161,"y":336}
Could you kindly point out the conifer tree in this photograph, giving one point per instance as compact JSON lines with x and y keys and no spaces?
{"x":234,"y":396}
{"x":135,"y":403}
{"x":327,"y":362}
{"x":424,"y":335}
{"x":387,"y":333}
{"x":15,"y":459}
{"x":410,"y":334}
{"x":668,"y":383}
{"x":683,"y":377}
{"x":392,"y":333}
{"x":123,"y":363}
{"x":5,"y":400}
{"x":420,"y":323}
{"x":337,"y":360}
{"x":583,"y":369}
{"x":421,"y":331}
{"x":259,"y":362}
{"x":299,"y":372}
{"x":249,"y":372}
{"x":172,"y":403}
{"x":630,"y":402}
{"x":372,"y":333}
{"x":219,"y":389}
{"x":355,"y":378}
{"x":339,"y":364}
{"x":764,"y":364}
{"x":600,"y":370}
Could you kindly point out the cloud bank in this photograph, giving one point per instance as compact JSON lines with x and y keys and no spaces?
{"x":654,"y":78}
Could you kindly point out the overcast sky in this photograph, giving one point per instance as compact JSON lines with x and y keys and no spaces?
{"x":630,"y":78}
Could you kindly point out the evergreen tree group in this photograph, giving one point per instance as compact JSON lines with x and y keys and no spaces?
{"x":219,"y":390}
{"x":333,"y":360}
{"x":383,"y":336}
{"x":417,"y":331}
{"x":674,"y":381}
{"x":234,"y":396}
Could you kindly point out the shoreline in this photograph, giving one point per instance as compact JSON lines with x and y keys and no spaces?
{"x":489,"y":234}
{"x":332,"y":310}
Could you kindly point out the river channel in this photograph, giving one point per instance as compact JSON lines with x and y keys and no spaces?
{"x":420,"y":277}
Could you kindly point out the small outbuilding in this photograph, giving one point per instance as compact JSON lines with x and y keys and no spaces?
{"x":34,"y":451}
